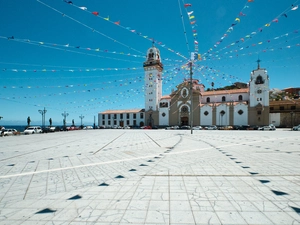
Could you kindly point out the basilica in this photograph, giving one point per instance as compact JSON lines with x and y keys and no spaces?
{"x":190,"y":104}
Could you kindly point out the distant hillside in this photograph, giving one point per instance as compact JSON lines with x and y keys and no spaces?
{"x":237,"y":85}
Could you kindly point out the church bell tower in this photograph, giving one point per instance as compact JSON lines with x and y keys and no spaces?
{"x":259,"y":97}
{"x":153,"y":85}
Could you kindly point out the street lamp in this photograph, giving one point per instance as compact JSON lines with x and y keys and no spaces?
{"x":191,"y":93}
{"x":81,"y":117}
{"x":65,"y":118}
{"x":43,"y":112}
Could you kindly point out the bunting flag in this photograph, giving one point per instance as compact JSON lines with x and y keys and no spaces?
{"x":118,"y":23}
{"x":248,"y":36}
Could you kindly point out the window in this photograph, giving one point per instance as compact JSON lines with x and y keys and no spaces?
{"x":184,"y":109}
{"x":103,"y":116}
{"x":134,"y":115}
{"x":163,"y":105}
{"x":141,"y":115}
{"x":258,"y":112}
{"x":281,"y":107}
{"x":240,"y":112}
{"x":259,"y":91}
{"x":109,"y":116}
{"x":127,"y":122}
{"x":271,"y":108}
{"x":163,"y":114}
{"x":259,"y":80}
{"x":206,"y":113}
{"x":223,"y":99}
{"x":103,"y":122}
{"x":293,"y":107}
{"x":208,"y":99}
{"x":115,"y":122}
{"x":240,"y":98}
{"x":134,"y":122}
{"x":115,"y":116}
{"x":127,"y":116}
{"x":109,"y":122}
{"x":121,"y":116}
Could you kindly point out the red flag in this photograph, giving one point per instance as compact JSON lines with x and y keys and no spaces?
{"x":117,"y":23}
{"x":95,"y":13}
{"x":187,"y":5}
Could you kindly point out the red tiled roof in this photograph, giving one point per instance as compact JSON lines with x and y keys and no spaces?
{"x":122,"y":111}
{"x":225,"y":92}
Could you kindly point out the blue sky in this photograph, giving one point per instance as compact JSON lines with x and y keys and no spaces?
{"x":87,"y":57}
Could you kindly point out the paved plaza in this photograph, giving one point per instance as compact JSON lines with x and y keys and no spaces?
{"x":151,"y":177}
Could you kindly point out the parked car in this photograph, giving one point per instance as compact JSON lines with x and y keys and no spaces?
{"x":272,"y":127}
{"x":266,"y":128}
{"x":211,"y":128}
{"x":33,"y":130}
{"x":296,"y":128}
{"x":9,"y":132}
{"x":197,"y":128}
{"x":185,"y":128}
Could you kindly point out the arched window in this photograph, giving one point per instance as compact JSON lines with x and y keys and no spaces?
{"x":208,"y":99}
{"x":259,"y":80}
{"x":240,"y":98}
{"x":223,"y":99}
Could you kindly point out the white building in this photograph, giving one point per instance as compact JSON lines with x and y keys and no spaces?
{"x":241,"y":106}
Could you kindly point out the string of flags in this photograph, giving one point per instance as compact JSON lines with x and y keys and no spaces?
{"x":118,"y":23}
{"x":46,"y":44}
{"x":249,"y":36}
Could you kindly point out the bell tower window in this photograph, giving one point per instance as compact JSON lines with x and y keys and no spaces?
{"x":259,"y":80}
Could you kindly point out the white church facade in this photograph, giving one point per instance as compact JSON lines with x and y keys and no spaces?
{"x":191,"y":104}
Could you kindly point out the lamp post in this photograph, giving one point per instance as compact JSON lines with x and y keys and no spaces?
{"x":65,"y":118}
{"x":191,"y":93}
{"x":292,"y":114}
{"x":43,"y":112}
{"x":81,"y":117}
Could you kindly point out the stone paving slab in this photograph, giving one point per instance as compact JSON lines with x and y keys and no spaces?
{"x":151,"y":177}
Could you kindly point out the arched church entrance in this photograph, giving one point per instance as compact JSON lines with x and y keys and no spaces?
{"x":184,"y":116}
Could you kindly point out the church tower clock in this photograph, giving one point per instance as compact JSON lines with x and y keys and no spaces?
{"x":259,"y":97}
{"x":153,"y":85}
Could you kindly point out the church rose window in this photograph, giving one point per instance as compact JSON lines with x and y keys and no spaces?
{"x":206,"y":113}
{"x":184,"y":109}
{"x":163,"y":114}
{"x":240,"y":112}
